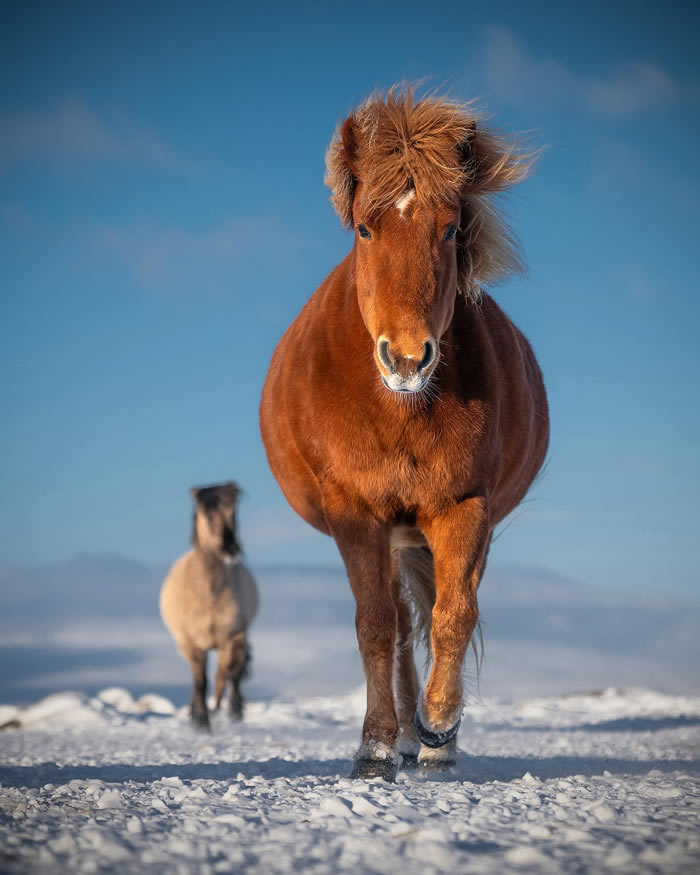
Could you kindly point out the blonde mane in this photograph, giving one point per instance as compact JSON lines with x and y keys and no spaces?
{"x":395,"y":142}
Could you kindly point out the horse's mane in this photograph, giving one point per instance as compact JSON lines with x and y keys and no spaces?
{"x":394,"y":142}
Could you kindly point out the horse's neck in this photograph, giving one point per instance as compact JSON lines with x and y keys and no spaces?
{"x":214,"y":567}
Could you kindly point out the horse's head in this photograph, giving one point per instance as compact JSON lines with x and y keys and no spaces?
{"x":214,"y":528}
{"x":412,"y":178}
{"x":406,"y":275}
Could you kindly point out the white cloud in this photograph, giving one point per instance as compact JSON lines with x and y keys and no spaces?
{"x":257,"y":250}
{"x":634,"y":89}
{"x":517,"y":76}
{"x":179,"y":260}
{"x":72,"y":131}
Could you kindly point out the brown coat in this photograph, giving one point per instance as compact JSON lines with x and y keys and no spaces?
{"x":403,"y":412}
{"x":485,"y":432}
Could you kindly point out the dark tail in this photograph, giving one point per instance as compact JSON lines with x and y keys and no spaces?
{"x":247,"y":662}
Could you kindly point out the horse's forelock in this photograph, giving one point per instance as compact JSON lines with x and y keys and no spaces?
{"x":210,"y":498}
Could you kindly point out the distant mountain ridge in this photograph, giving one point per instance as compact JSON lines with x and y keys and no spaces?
{"x":97,"y":612}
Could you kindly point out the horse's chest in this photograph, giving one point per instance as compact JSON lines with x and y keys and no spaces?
{"x":396,"y":473}
{"x":225,"y":616}
{"x":216,"y":618}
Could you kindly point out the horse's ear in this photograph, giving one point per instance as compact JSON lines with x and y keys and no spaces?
{"x":342,"y":170}
{"x":492,"y":163}
{"x":231,"y":491}
{"x":349,"y":138}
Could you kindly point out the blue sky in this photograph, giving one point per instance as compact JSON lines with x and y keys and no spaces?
{"x":163,"y":218}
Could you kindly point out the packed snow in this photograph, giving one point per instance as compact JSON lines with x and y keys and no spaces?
{"x":597,"y":782}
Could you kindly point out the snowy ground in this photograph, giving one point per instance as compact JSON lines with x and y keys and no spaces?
{"x":545,"y":781}
{"x":587,"y":783}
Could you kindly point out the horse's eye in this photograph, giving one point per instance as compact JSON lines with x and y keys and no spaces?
{"x":363,"y":231}
{"x":451,"y":233}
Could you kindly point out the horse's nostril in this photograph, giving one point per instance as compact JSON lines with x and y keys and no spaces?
{"x":384,"y":355}
{"x":428,"y":355}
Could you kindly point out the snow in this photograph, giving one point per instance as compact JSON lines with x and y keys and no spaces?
{"x":100,"y":770}
{"x":598,"y":782}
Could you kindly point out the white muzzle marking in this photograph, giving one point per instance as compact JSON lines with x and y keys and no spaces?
{"x":397,"y":383}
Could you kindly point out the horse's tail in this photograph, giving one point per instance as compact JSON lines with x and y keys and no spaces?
{"x":417,"y":573}
{"x":418,"y":579}
{"x":247,"y":661}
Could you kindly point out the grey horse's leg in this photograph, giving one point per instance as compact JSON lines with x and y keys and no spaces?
{"x":198,"y":662}
{"x":234,"y":659}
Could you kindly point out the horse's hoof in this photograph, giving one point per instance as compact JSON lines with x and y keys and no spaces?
{"x":436,"y":767}
{"x":366,"y":768}
{"x":409,"y":762}
{"x":201,"y":722}
{"x":430,"y":738}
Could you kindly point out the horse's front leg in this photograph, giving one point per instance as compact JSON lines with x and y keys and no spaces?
{"x":198,"y":662}
{"x":459,"y":541}
{"x":364,"y":546}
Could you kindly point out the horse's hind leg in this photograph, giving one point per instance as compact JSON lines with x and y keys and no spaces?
{"x":198,"y":661}
{"x":406,"y":679}
{"x":234,"y":658}
{"x":221,"y":677}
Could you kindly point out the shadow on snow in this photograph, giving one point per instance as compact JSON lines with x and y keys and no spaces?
{"x":474,"y":770}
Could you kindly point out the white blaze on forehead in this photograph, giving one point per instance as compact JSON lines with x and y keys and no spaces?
{"x":405,"y":200}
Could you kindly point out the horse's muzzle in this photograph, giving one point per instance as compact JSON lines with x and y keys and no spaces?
{"x":407,"y":387}
{"x":406,"y":374}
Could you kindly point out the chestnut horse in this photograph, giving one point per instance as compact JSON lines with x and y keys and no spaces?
{"x":403,"y":413}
